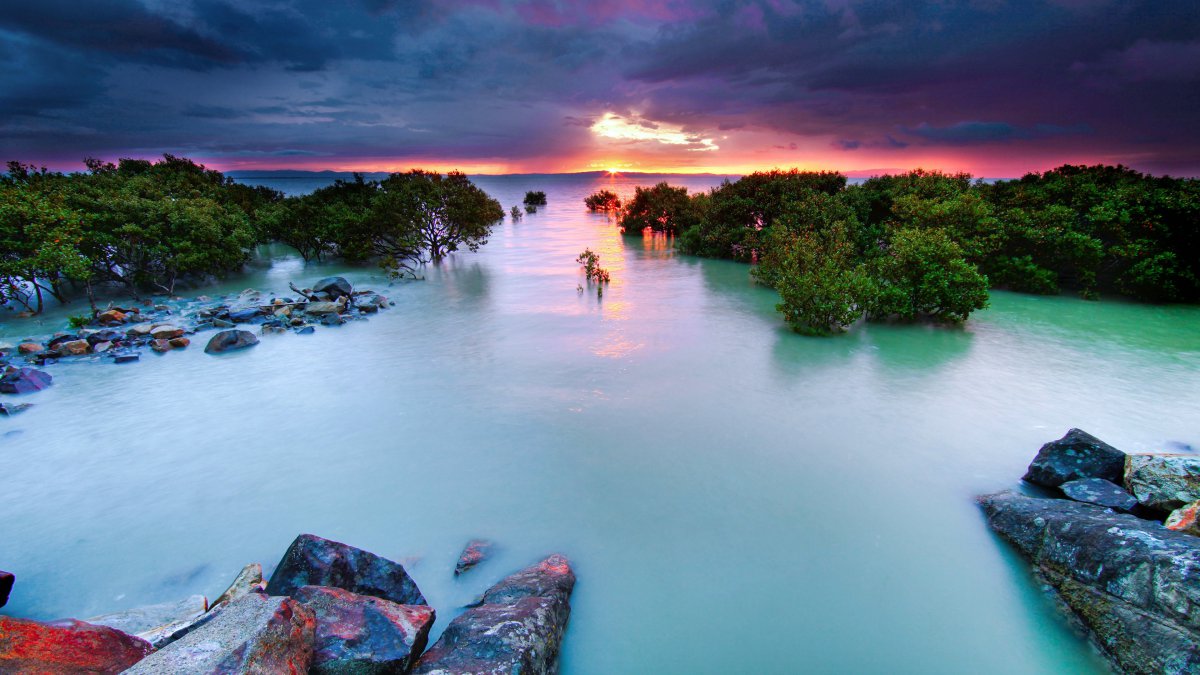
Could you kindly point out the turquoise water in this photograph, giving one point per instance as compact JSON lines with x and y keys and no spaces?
{"x":735,"y":498}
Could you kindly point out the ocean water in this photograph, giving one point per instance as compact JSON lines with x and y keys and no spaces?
{"x":734,"y":497}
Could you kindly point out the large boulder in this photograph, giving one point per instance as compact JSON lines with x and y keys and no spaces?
{"x":1133,"y":583}
{"x":333,"y":287}
{"x":66,"y":646}
{"x":256,"y":634}
{"x":230,"y":340}
{"x":516,"y":628}
{"x":1163,"y":482}
{"x":1076,"y":455}
{"x":362,"y":634}
{"x":24,"y":380}
{"x":313,"y":561}
{"x":156,"y":623}
{"x":1100,"y":492}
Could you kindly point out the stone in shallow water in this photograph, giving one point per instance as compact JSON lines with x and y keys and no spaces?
{"x":1163,"y":482}
{"x":1100,"y":492}
{"x":319,"y":308}
{"x":230,"y":340}
{"x":249,"y":580}
{"x":255,"y":634}
{"x":66,"y":646}
{"x":1132,"y":582}
{"x":1185,"y":519}
{"x":362,"y":634}
{"x":8,"y":410}
{"x":313,"y":561}
{"x":517,"y":628}
{"x":333,"y":286}
{"x":1076,"y":455}
{"x":125,"y":358}
{"x":24,"y":381}
{"x":475,"y":552}
{"x":7,"y":579}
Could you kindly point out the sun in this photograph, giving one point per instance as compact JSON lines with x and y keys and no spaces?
{"x":612,"y":171}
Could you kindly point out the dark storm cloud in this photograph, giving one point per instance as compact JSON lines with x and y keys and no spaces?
{"x":513,"y":79}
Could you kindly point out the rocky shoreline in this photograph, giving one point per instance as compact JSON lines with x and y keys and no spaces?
{"x":1117,"y":546}
{"x":327,"y":608}
{"x":122,"y":334}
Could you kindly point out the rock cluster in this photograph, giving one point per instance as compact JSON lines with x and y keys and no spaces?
{"x":120,"y":333}
{"x":328,"y":608}
{"x":1130,"y":579}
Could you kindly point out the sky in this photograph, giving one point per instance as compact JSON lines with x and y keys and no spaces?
{"x":993,"y":87}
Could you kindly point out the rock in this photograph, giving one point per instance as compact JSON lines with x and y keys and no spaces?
{"x":254,"y":634}
{"x":44,"y":359}
{"x":1183,"y":519}
{"x":155,"y":623}
{"x":8,"y":410}
{"x":106,"y":335}
{"x":270,"y":330}
{"x":475,"y":552}
{"x":160,"y":345}
{"x":1076,"y":455}
{"x":1100,"y":492}
{"x":333,"y":286}
{"x":66,"y":646}
{"x":332,"y":320}
{"x":24,"y":381}
{"x":7,"y":579}
{"x":73,"y":348}
{"x":363,"y":634}
{"x":180,"y":342}
{"x":305,"y":330}
{"x":1163,"y":482}
{"x":166,"y":332}
{"x":60,"y":338}
{"x":125,"y":358}
{"x":163,"y":308}
{"x":319,"y":308}
{"x":222,"y":323}
{"x":110,"y":317}
{"x":283,"y":311}
{"x":1133,"y":583}
{"x":517,"y":628}
{"x":249,"y":580}
{"x":313,"y":561}
{"x":29,"y":348}
{"x":230,"y":340}
{"x":101,"y":347}
{"x":245,"y":315}
{"x":203,"y":298}
{"x":141,"y":329}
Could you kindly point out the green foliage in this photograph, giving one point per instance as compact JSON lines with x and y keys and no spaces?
{"x":924,"y":273}
{"x":79,"y":320}
{"x":515,"y":213}
{"x":592,"y":270}
{"x":822,"y":287}
{"x":537,"y":198}
{"x":603,"y":200}
{"x":661,"y":208}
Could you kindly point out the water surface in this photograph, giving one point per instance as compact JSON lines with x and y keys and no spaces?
{"x":735,"y":498}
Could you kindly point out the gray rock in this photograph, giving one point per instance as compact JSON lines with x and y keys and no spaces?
{"x":1163,"y":482}
{"x":10,"y":409}
{"x":1134,"y":584}
{"x":333,"y":286}
{"x":1100,"y":492}
{"x":255,"y":634}
{"x":230,"y":340}
{"x":249,"y":580}
{"x":362,"y":634}
{"x":1076,"y":455}
{"x":313,"y":561}
{"x":222,"y":323}
{"x":319,"y":308}
{"x":156,"y":623}
{"x":516,"y":628}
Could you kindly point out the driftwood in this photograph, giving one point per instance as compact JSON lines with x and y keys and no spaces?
{"x":292,"y":285}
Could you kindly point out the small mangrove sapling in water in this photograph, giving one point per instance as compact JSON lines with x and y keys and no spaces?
{"x":515,"y":213}
{"x":593,"y":271}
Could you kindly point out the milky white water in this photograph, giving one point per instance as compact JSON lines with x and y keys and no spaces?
{"x":734,"y":497}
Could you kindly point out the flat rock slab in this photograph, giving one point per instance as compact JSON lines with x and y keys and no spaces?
{"x":1100,"y":492}
{"x":142,"y":619}
{"x":67,"y":646}
{"x":256,"y":634}
{"x":517,"y":628}
{"x":1163,"y":482}
{"x":24,"y":381}
{"x":249,"y":580}
{"x":1132,"y":582}
{"x":363,"y":634}
{"x":313,"y":561}
{"x":1076,"y":455}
